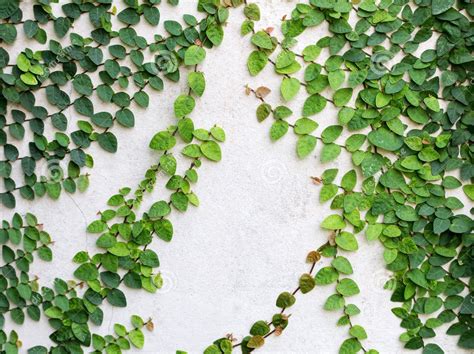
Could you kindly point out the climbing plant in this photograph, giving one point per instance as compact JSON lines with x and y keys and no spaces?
{"x":67,"y":311}
{"x":397,"y":73}
{"x":125,"y":258}
{"x":103,"y":65}
{"x":407,"y":110}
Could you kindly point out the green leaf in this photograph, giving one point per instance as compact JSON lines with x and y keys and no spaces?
{"x":432,"y":305}
{"x":29,"y":79}
{"x":406,"y":213}
{"x":45,"y":254}
{"x":282,"y":112}
{"x":469,"y":190}
{"x":173,"y":28}
{"x":333,"y":222}
{"x":381,"y":100}
{"x":263,"y":111}
{"x":102,"y":119}
{"x":278,"y":129}
{"x":342,"y":97}
{"x":350,"y":346}
{"x":432,"y":103}
{"x":152,"y":15}
{"x":8,"y":8}
{"x":162,"y":141}
{"x":164,"y":229}
{"x":38,"y":350}
{"x":86,"y":272}
{"x":120,"y":330}
{"x":142,"y":99}
{"x":330,"y":152}
{"x":218,"y":133}
{"x":412,"y":163}
{"x":305,"y":145}
{"x":247,"y":27}
{"x":448,"y":78}
{"x":305,"y":126}
{"x":347,"y":287}
{"x":159,"y":209}
{"x":212,"y":349}
{"x":129,"y":16}
{"x":466,"y":339}
{"x":289,"y":88}
{"x":215,"y":33}
{"x":184,"y":105}
{"x":450,"y":182}
{"x":326,"y":275}
{"x":180,"y":201}
{"x":97,"y":227}
{"x":256,"y":342}
{"x":392,"y":179}
{"x":260,"y":328}
{"x":256,"y":62}
{"x":81,"y":332}
{"x":440,"y":6}
{"x":342,"y":265}
{"x":197,"y":82}
{"x":428,"y":154}
{"x":336,"y":78}
{"x":262,"y":40}
{"x":374,"y":231}
{"x":347,"y":241}
{"x":108,"y":142}
{"x":314,"y":104}
{"x":432,"y":348}
{"x":334,"y":302}
{"x":358,"y":332}
{"x":211,"y":150}
{"x":418,"y":277}
{"x":137,"y":338}
{"x":285,"y":300}
{"x":137,"y":321}
{"x":385,"y":139}
{"x":306,"y":283}
{"x":116,"y":298}
{"x":83,"y":84}
{"x":252,"y":12}
{"x":328,"y":191}
{"x":311,"y":52}
{"x":194,"y":55}
{"x":192,"y":150}
{"x":331,"y":133}
{"x":53,"y":312}
{"x":349,"y":181}
{"x":23,"y":62}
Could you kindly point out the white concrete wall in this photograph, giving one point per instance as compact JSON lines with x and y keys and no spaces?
{"x":246,"y":243}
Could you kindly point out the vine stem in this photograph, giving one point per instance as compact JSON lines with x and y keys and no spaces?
{"x":142,"y":189}
{"x":73,"y":102}
{"x":317,"y":257}
{"x":262,"y":99}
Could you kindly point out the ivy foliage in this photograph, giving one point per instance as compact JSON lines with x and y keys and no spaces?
{"x":399,"y":75}
{"x":125,"y":257}
{"x":397,"y":72}
{"x":111,"y":65}
{"x":68,"y":312}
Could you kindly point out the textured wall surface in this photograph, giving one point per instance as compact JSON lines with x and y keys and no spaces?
{"x":247,"y":242}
